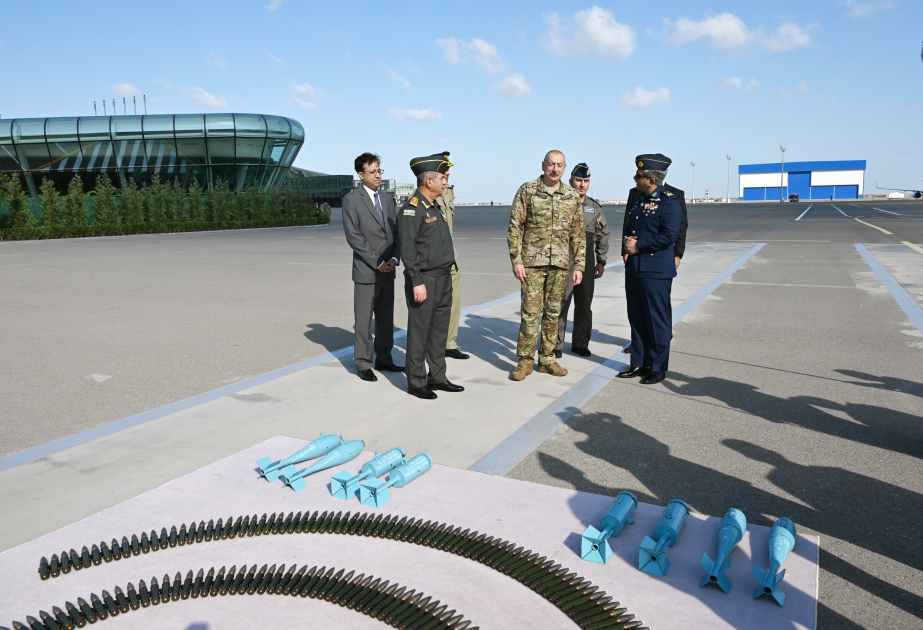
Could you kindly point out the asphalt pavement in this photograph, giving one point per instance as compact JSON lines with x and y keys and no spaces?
{"x":794,"y":388}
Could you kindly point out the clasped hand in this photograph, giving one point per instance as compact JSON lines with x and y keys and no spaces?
{"x":631,"y":244}
{"x":386,"y":267}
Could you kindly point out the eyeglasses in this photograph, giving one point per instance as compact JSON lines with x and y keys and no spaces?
{"x":378,"y":172}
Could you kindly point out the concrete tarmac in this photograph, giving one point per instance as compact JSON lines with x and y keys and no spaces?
{"x":794,"y":388}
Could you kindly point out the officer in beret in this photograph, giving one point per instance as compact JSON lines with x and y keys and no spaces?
{"x":650,"y":232}
{"x":428,"y":261}
{"x":597,"y":248}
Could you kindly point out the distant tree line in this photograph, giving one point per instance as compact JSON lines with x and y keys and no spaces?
{"x":153,"y":208}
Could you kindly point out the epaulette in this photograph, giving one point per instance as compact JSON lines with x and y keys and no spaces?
{"x":413,"y":202}
{"x":667,"y":193}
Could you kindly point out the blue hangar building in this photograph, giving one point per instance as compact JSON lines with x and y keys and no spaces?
{"x":842,"y":179}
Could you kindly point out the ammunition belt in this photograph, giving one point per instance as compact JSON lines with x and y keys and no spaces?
{"x":578,"y":598}
{"x":387,"y":601}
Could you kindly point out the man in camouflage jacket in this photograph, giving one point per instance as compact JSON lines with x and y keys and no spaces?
{"x":546,"y":230}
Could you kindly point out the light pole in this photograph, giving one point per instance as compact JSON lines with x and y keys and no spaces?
{"x":728,"y":198}
{"x":782,"y":178}
{"x":693,"y":181}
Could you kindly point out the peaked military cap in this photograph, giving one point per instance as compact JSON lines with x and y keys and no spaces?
{"x":581,"y":170}
{"x":438,"y":162}
{"x":653,"y":162}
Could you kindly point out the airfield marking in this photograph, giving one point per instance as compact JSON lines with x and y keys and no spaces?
{"x":874,"y":226}
{"x":786,"y":240}
{"x":888,"y":211}
{"x":305,"y":237}
{"x":803,"y":213}
{"x":840,"y":211}
{"x":911,"y":309}
{"x":912,"y":246}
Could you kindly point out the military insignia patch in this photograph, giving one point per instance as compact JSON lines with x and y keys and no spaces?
{"x":431,"y":219}
{"x":667,"y":193}
{"x":640,"y":164}
{"x":413,"y":202}
{"x":409,"y":213}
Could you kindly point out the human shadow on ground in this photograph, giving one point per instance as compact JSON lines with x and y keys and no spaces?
{"x":872,"y":425}
{"x":335,"y":338}
{"x":501,"y":336}
{"x":889,"y":383}
{"x":871,"y":514}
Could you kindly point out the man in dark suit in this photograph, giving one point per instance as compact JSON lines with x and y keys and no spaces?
{"x":679,"y":247}
{"x":369,"y":223}
{"x":650,"y":231}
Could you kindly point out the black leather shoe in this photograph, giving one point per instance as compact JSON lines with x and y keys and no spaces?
{"x":422,"y":392}
{"x":583,"y":352}
{"x":448,"y":386}
{"x":455,"y":353}
{"x":633,"y":372}
{"x":653,"y":377}
{"x":558,"y":354}
{"x":367,"y":375}
{"x":388,"y":367}
{"x":627,"y":349}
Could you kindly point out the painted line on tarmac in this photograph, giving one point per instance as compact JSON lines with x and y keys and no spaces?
{"x":840,"y":211}
{"x":916,"y":248}
{"x":911,"y":309}
{"x":888,"y":211}
{"x":48,"y":449}
{"x":873,"y":226}
{"x":506,"y":455}
{"x":803,"y":213}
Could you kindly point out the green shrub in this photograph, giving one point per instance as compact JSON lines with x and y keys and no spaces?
{"x":50,"y":212}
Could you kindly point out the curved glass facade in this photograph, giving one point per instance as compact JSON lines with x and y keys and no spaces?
{"x":241,"y":149}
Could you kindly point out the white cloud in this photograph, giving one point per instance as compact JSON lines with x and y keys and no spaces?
{"x":196,"y":94}
{"x":483,"y":54}
{"x":273,"y":5}
{"x":304,"y":90}
{"x":728,"y":32}
{"x":641,"y":98}
{"x":801,"y":86}
{"x":786,"y":37}
{"x":304,"y":104}
{"x":725,"y":31}
{"x":396,"y":78}
{"x":271,"y":56}
{"x":396,"y":113}
{"x":513,"y":86}
{"x":737,"y":82}
{"x":216,"y":58}
{"x":910,"y":112}
{"x":596,"y":32}
{"x":862,"y":8}
{"x":125,"y":89}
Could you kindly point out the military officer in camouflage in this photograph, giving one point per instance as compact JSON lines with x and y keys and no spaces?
{"x":446,"y":203}
{"x":546,"y":230}
{"x":428,"y":262}
{"x":597,"y":248}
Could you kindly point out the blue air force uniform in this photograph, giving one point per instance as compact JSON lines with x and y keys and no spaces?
{"x":654,"y":219}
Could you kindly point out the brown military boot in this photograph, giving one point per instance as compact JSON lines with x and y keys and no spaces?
{"x":553,"y":368}
{"x":522,"y":370}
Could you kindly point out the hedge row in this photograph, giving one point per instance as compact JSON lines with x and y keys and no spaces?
{"x":95,"y":229}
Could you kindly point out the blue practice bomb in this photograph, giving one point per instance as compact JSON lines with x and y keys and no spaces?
{"x":375,"y":493}
{"x":321,"y":446}
{"x":595,"y":544}
{"x":781,"y":543}
{"x":732,"y":529}
{"x":340,"y":455}
{"x":652,"y":556}
{"x":345,"y":485}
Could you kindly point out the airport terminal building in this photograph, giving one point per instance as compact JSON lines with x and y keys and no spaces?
{"x":843,"y":179}
{"x":241,"y":149}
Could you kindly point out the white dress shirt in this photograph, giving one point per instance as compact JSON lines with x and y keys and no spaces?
{"x":372,"y":197}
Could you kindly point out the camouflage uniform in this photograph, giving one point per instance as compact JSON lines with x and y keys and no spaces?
{"x":446,"y":201}
{"x":546,"y":230}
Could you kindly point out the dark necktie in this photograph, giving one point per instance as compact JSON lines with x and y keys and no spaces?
{"x":381,"y":216}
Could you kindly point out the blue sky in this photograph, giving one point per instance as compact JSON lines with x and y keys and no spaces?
{"x":498,"y":84}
